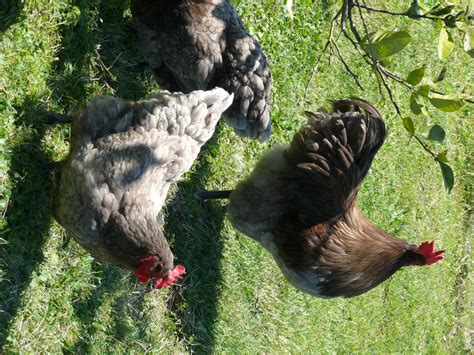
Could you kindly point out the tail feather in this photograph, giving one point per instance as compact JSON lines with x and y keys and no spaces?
{"x":355,"y":104}
{"x":251,"y":120}
{"x":354,"y":126}
{"x":217,"y":100}
{"x":195,"y":114}
{"x":333,"y":153}
{"x":206,"y":115}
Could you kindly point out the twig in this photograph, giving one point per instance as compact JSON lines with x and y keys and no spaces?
{"x":389,"y":91}
{"x":368,"y":8}
{"x":382,"y":73}
{"x":316,"y":65}
{"x":4,"y":212}
{"x":380,"y":81}
{"x":399,"y":79}
{"x":354,"y":76}
{"x":353,"y":28}
{"x":354,"y":43}
{"x":363,"y":55}
{"x":315,"y":68}
{"x":331,"y":47}
{"x":425,"y":147}
{"x":344,"y":10}
{"x":375,"y":64}
{"x":330,"y":53}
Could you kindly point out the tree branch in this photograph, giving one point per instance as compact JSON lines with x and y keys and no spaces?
{"x":382,"y":73}
{"x":425,"y":147}
{"x":316,"y":65}
{"x":354,"y":76}
{"x":371,"y":9}
{"x":345,"y":14}
{"x":399,"y":79}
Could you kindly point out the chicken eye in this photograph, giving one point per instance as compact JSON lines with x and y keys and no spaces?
{"x":158,"y":268}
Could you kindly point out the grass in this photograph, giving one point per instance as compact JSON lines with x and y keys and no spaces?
{"x":56,"y":55}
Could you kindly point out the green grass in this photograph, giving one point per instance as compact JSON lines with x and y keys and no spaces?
{"x":56,"y":55}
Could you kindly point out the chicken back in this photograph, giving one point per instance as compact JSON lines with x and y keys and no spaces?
{"x":198,"y":45}
{"x":123,"y":158}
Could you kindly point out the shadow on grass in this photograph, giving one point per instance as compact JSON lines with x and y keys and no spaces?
{"x":86,"y":309}
{"x":28,"y":213}
{"x":195,"y":228}
{"x":96,"y":54}
{"x":97,"y":51}
{"x":71,"y":78}
{"x":10,"y":13}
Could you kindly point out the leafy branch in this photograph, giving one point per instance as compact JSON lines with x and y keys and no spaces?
{"x":376,"y":47}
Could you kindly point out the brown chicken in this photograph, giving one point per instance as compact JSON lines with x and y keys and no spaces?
{"x":122,"y":160}
{"x":198,"y":45}
{"x":300,"y":203}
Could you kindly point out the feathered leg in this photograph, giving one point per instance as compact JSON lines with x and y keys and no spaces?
{"x":56,"y":118}
{"x":214,"y":195}
{"x":48,"y":166}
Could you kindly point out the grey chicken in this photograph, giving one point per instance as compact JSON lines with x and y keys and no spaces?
{"x":122,"y":159}
{"x":300,"y":203}
{"x":198,"y":45}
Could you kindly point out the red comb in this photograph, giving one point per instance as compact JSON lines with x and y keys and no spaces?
{"x":426,"y":250}
{"x":173,"y":276}
{"x":145,"y":268}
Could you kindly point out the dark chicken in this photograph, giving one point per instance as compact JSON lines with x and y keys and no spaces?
{"x":122,"y":160}
{"x":300,"y":203}
{"x":201,"y":44}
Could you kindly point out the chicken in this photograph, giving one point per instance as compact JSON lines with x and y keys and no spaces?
{"x":122,"y":160}
{"x":300,"y":203}
{"x":198,"y":45}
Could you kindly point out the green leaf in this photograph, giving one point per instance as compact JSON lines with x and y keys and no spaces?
{"x":415,"y":107}
{"x":448,"y":176}
{"x":450,"y":20}
{"x":423,"y":6}
{"x":383,"y":44}
{"x":424,"y":111}
{"x":441,"y":75}
{"x":441,"y":11}
{"x":441,"y":157}
{"x":469,"y":41}
{"x":423,"y":90}
{"x":409,"y":126}
{"x":438,"y":24}
{"x":436,"y":134}
{"x":445,"y":44}
{"x":470,"y":11}
{"x":437,"y":6}
{"x":414,"y":10}
{"x":446,"y":103}
{"x":415,"y":76}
